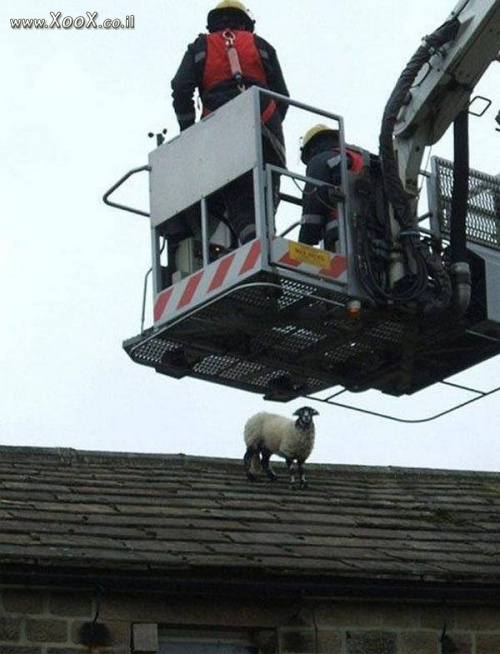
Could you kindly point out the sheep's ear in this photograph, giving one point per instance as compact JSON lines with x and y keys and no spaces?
{"x":315,"y":413}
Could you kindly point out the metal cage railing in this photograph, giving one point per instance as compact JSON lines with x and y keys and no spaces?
{"x":483,"y":213}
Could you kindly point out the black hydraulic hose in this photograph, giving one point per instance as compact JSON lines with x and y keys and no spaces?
{"x":460,"y":191}
{"x":395,"y":191}
{"x":396,"y":194}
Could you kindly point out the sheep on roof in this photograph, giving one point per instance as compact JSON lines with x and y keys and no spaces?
{"x":266,"y":434}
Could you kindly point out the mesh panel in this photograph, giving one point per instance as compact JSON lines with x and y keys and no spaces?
{"x":290,"y":340}
{"x":347,"y":351}
{"x":258,"y":376}
{"x":387,"y":331}
{"x":483,"y":215}
{"x":154,"y":350}
{"x":227,"y":367}
{"x":294,"y":292}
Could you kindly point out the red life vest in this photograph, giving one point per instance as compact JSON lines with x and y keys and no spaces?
{"x":217,"y":68}
{"x":356,"y":161}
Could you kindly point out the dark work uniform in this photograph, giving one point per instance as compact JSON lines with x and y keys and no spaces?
{"x":319,"y":211}
{"x":205,"y":66}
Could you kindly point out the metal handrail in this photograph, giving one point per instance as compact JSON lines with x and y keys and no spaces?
{"x":289,"y":229}
{"x":118,"y":184}
{"x":144,"y":294}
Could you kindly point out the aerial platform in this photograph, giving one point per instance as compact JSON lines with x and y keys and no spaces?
{"x":285,"y":320}
{"x":284,"y":337}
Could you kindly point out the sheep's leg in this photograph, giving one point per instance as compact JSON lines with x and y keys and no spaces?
{"x":295,"y":468}
{"x":266,"y":464}
{"x":250,"y":455}
{"x":291,"y":472}
{"x":302,"y":476}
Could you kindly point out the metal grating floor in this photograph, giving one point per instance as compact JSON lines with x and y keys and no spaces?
{"x":290,"y":340}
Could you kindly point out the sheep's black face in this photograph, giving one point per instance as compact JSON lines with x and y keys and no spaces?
{"x":305,"y":415}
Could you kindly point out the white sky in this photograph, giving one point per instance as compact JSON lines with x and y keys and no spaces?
{"x":77,"y":107}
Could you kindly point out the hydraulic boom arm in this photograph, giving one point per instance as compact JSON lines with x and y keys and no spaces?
{"x":442,"y":78}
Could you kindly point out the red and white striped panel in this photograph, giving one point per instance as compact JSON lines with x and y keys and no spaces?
{"x":241,"y":264}
{"x":313,"y":261}
{"x":204,"y":284}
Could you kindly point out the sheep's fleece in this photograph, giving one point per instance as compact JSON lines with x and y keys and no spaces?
{"x":279,"y":435}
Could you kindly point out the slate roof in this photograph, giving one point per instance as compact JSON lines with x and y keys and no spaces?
{"x":182,"y":519}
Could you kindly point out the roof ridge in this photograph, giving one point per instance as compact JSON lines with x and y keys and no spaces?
{"x":70,"y":456}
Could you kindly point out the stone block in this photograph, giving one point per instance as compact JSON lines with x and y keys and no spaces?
{"x":71,"y":604}
{"x":265,"y":640}
{"x":371,"y":615}
{"x":371,"y":642}
{"x":454,"y":643}
{"x":145,"y":638}
{"x":420,"y":642}
{"x":10,"y":629}
{"x":487,"y":644}
{"x":477,"y":618}
{"x":47,"y":631}
{"x":399,"y":616}
{"x":27,"y":602}
{"x":297,"y":640}
{"x":434,"y":617}
{"x":132,"y":608}
{"x":329,"y":642}
{"x":119,"y":631}
{"x":345,"y":614}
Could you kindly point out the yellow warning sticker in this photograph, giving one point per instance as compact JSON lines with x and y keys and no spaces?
{"x":308,"y":254}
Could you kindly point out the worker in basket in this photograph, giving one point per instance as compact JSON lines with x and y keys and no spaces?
{"x":320,"y":152}
{"x":220,"y":65}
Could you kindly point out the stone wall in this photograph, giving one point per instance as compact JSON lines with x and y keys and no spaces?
{"x":50,"y":622}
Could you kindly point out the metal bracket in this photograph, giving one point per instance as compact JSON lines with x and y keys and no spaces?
{"x":479,"y":113}
{"x":479,"y":395}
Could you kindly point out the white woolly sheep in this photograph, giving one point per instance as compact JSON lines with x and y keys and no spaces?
{"x":268,"y":433}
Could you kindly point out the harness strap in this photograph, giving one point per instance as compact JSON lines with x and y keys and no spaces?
{"x":235,"y":65}
{"x":234,"y":60}
{"x":268,"y":111}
